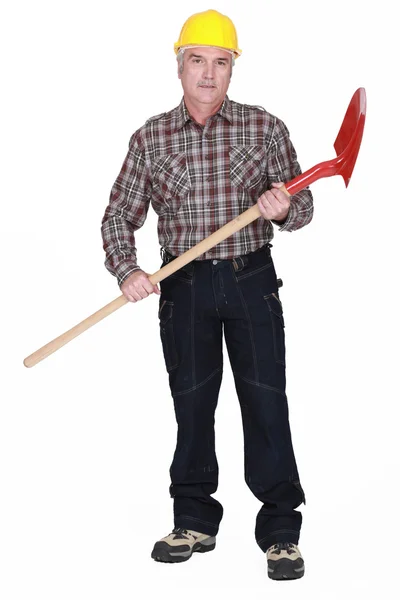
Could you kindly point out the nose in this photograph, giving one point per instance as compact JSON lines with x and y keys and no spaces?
{"x":208,"y":71}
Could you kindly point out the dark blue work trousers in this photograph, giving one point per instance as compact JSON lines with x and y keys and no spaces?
{"x":198,"y":303}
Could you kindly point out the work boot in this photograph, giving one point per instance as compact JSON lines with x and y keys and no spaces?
{"x":179,"y":545}
{"x":285,"y":561}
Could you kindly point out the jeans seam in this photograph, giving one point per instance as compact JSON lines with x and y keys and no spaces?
{"x":250,"y":332}
{"x":246,"y":275}
{"x":263,"y":385}
{"x":193,"y":347}
{"x":182,"y":279}
{"x":192,"y":389}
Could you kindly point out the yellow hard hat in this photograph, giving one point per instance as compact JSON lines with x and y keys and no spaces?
{"x":209,"y":28}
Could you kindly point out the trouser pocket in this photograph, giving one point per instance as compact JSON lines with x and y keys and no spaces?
{"x":278,"y":326}
{"x":165,"y":315}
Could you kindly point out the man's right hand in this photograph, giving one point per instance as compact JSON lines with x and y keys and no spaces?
{"x":138,"y":286}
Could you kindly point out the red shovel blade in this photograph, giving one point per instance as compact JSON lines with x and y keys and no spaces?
{"x":348,"y":141}
{"x":347,"y":145}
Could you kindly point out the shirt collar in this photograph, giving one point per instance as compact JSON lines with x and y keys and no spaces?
{"x":226,"y":110}
{"x":182,"y":115}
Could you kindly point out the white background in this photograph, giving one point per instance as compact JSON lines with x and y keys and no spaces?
{"x":87,"y":436}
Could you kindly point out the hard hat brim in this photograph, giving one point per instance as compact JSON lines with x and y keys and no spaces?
{"x":178,"y":47}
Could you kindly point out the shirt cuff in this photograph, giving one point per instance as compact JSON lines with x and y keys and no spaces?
{"x":124,"y":269}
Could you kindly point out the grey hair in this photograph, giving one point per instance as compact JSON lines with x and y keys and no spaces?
{"x":181,"y":52}
{"x":179,"y":58}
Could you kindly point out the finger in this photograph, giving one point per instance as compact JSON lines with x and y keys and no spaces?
{"x":156,"y":290}
{"x":148,"y":287}
{"x":263,"y":197}
{"x":275,"y":206}
{"x":143,"y":293}
{"x":282,"y":188}
{"x":279,"y":196}
{"x":268,"y":200}
{"x":128,"y":296}
{"x":137,"y":290}
{"x":279,"y":186}
{"x":264,"y":206}
{"x":133,"y":290}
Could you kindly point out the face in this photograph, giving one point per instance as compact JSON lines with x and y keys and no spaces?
{"x":206,"y":75}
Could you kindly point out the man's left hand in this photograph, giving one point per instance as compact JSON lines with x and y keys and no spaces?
{"x":274,"y":204}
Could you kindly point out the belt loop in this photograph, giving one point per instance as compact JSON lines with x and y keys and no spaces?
{"x":238,"y":263}
{"x":165,"y":255}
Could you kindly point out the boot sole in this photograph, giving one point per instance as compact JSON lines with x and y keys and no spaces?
{"x":162,"y":552}
{"x":286,"y":570}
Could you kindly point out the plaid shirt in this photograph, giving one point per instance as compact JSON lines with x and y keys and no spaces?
{"x":198,"y":178}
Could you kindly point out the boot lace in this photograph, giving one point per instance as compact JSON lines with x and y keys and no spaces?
{"x":180,"y":534}
{"x":284,"y":546}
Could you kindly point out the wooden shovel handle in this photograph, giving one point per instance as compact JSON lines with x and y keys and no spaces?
{"x":61,"y":340}
{"x":215,"y":238}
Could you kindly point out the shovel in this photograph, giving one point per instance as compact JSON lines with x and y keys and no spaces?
{"x":347,"y":145}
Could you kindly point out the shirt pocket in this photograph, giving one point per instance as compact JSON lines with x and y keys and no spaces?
{"x":247,"y":166}
{"x":171,"y":178}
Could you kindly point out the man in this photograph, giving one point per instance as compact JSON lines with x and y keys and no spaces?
{"x":201,"y":165}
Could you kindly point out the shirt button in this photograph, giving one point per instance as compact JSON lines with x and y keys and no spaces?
{"x":207,"y":157}
{"x":209,"y":178}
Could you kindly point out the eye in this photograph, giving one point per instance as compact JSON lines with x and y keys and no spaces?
{"x":221,"y":63}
